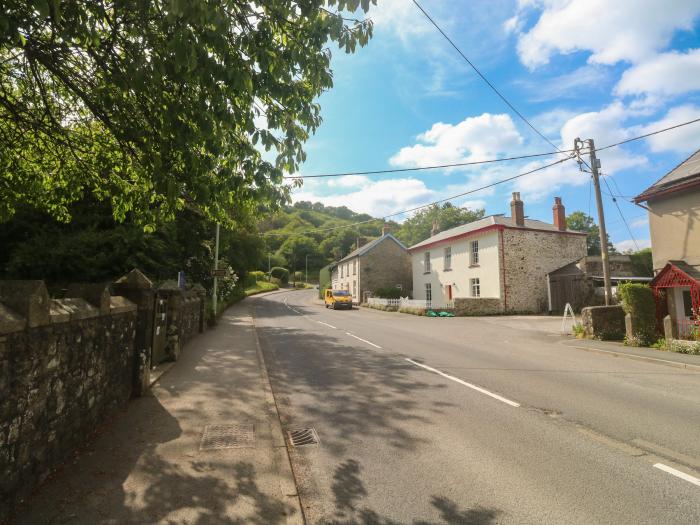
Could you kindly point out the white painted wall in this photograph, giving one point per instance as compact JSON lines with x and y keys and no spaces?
{"x":487,"y":271}
{"x":349,"y":278}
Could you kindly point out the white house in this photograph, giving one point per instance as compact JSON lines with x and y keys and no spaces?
{"x":496,"y":264}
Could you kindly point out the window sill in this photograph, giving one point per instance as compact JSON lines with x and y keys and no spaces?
{"x":447,"y":269}
{"x":473,"y":266}
{"x":426,"y":273}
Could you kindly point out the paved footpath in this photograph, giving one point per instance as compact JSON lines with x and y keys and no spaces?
{"x":147,"y":464}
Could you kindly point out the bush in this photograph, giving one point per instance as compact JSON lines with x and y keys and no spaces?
{"x":280,"y":273}
{"x":298,"y":276}
{"x":638,"y":301}
{"x":412,"y":310}
{"x":684,"y":347}
{"x":579,"y":330}
{"x":258,"y":275}
{"x":388,"y":293}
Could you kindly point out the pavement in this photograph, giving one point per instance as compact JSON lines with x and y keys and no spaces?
{"x":472,"y":420}
{"x":149,"y":464}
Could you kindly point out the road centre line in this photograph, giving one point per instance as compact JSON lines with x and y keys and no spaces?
{"x":469,"y":385}
{"x":328,"y":325}
{"x":363,"y":340}
{"x":678,"y":473}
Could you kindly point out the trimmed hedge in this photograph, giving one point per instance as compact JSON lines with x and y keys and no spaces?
{"x":258,"y":275}
{"x":388,"y":293}
{"x":638,"y":301}
{"x":280,"y":273}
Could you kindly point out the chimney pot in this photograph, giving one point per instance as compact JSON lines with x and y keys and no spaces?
{"x":386,"y":229}
{"x":559,"y":214}
{"x":517,"y":210}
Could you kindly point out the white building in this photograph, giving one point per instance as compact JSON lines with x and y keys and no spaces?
{"x":496,"y":264}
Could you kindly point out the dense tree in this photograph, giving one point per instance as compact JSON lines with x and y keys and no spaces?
{"x":418,"y":227}
{"x":581,"y":222}
{"x":158,"y":105}
{"x":642,"y":262}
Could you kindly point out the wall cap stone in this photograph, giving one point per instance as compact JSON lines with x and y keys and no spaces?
{"x":10,"y":321}
{"x":135,"y":279}
{"x":29,"y":299}
{"x":78,"y":308}
{"x":96,"y":294}
{"x":120,"y":305}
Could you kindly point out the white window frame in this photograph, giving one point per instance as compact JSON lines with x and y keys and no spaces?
{"x":426,"y":262}
{"x":447,"y":258}
{"x":475,"y":287}
{"x":428,"y":292}
{"x":354,"y":266}
{"x":474,"y":252}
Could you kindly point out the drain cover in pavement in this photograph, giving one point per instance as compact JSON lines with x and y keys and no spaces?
{"x":216,"y":437}
{"x":302,"y":437}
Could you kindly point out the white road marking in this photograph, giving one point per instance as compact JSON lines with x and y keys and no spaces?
{"x":328,"y":325}
{"x":363,"y":340}
{"x":678,"y":473}
{"x":461,"y":382}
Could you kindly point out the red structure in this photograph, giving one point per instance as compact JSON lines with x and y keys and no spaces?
{"x":675,"y":274}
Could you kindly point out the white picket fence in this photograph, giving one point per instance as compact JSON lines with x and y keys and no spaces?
{"x":412,"y":303}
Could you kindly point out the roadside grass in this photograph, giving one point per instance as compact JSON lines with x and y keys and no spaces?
{"x":260,"y":287}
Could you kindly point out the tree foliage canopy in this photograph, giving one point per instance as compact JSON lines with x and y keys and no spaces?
{"x":157,"y":105}
{"x":418,"y":227}
{"x":579,"y":221}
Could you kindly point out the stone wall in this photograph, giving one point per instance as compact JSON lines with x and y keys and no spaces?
{"x":529,"y":256}
{"x":465,"y":306}
{"x":65,"y":364}
{"x":604,"y":322}
{"x":385,"y":266}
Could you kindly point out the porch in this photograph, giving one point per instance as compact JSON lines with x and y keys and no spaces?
{"x":676,"y":291}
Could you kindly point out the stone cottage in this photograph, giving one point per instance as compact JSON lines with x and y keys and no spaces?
{"x":496,"y":264}
{"x":380,"y":263}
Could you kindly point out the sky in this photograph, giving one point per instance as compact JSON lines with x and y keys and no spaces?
{"x":575,"y":68}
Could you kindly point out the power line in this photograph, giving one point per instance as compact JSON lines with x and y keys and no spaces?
{"x":649,"y":134}
{"x":629,"y":230}
{"x":495,"y":90}
{"x":434,"y":167}
{"x":446,"y":199}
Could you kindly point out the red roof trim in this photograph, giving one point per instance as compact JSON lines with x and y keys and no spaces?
{"x":660,"y":193}
{"x":491,"y":227}
{"x":672,"y":276}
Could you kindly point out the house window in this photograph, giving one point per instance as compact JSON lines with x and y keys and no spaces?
{"x":426,"y":262}
{"x":428,"y":292}
{"x":476,"y":287}
{"x":354,"y":284}
{"x":687,"y":303}
{"x":474,"y":253}
{"x":354,"y":267}
{"x":341,"y":272}
{"x":448,"y":258}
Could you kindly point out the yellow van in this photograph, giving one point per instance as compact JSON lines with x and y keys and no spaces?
{"x":338,"y":299}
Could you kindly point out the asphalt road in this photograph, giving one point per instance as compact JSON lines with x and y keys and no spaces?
{"x":467,"y":421}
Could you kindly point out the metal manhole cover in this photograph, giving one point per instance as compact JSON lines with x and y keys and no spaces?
{"x":303,"y":437}
{"x":217,"y":437}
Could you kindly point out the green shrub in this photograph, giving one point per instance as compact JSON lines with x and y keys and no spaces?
{"x":258,"y":275}
{"x":298,"y":276}
{"x":280,"y":273}
{"x":579,"y":330}
{"x":388,"y":293}
{"x":413,"y":310}
{"x":638,"y":301}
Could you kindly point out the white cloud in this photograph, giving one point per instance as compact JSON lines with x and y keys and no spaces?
{"x":349,"y":181}
{"x":473,"y":139}
{"x":683,"y":140}
{"x":378,"y":198}
{"x":473,"y":204}
{"x":624,"y":30}
{"x":569,"y":85}
{"x":641,"y":222}
{"x":670,"y":73}
{"x":630,"y":245}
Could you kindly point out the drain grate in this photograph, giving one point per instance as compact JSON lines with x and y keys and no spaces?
{"x":303,"y":437}
{"x":217,"y":437}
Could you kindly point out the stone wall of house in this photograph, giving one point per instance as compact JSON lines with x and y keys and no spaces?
{"x":529,"y":256}
{"x":65,"y":364}
{"x":465,"y":306}
{"x":385,"y":266}
{"x":604,"y":322}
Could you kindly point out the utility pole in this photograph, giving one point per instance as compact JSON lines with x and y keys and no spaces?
{"x":306,"y":278}
{"x":216,"y":267}
{"x":269,"y":269}
{"x":595,"y":165}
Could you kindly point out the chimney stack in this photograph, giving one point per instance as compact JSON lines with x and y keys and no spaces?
{"x":559,"y":214}
{"x":386,"y":229}
{"x":517,"y":209}
{"x":435,"y":229}
{"x":361,"y":241}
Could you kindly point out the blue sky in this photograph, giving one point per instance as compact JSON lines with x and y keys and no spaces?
{"x":576,"y":68}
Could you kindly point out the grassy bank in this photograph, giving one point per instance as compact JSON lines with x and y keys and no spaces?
{"x":260,"y":287}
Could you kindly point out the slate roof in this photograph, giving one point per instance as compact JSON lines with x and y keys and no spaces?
{"x":691,"y":271}
{"x":491,"y":220}
{"x":371,"y":244}
{"x":686,"y":172}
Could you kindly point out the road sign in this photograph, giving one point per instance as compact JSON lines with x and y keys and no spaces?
{"x":220,"y":272}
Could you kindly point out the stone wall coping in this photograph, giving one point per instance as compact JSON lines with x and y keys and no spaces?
{"x":10,"y":321}
{"x":120,"y":305}
{"x":135,"y":279}
{"x":58,"y":313}
{"x":97,"y":294}
{"x":29,"y":299}
{"x":78,"y":308}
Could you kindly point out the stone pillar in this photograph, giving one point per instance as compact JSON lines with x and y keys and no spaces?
{"x":629,"y":328}
{"x":136,"y":287}
{"x":669,"y":328}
